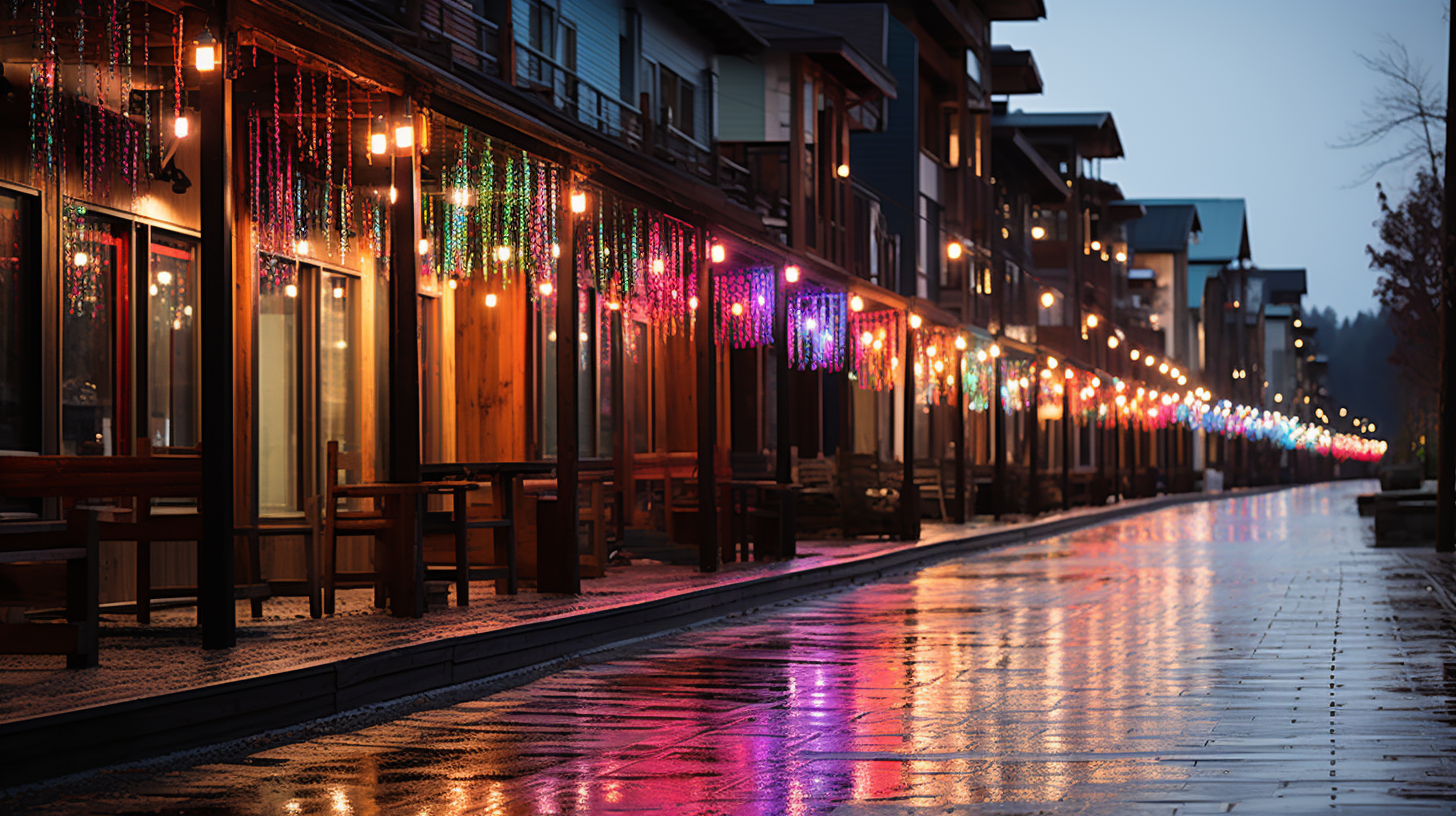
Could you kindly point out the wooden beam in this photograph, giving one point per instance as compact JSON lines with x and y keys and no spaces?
{"x":1033,"y":445}
{"x":998,"y":442}
{"x":959,"y":435}
{"x":215,"y":608}
{"x":1066,"y":444}
{"x":558,"y":563}
{"x":706,"y":354}
{"x":909,"y":493}
{"x":404,"y":328}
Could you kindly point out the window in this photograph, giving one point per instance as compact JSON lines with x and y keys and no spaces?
{"x":541,"y":32}
{"x":676,"y":101}
{"x":20,"y":342}
{"x":96,"y":268}
{"x":629,"y":41}
{"x":340,"y":366}
{"x":279,"y":391}
{"x":172,"y":339}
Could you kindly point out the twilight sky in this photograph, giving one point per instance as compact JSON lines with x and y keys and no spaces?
{"x":1241,"y":98}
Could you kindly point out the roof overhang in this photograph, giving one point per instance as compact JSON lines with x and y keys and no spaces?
{"x":729,"y":33}
{"x":1014,"y":9}
{"x":1047,"y":184}
{"x":1014,"y":71}
{"x":810,"y":30}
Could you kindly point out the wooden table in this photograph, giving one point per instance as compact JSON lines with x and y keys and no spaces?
{"x":404,"y":567}
{"x":784,"y":546}
{"x":503,"y":476}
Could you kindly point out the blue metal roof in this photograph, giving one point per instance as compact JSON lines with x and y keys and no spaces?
{"x":1198,"y":275}
{"x":1165,"y":228}
{"x":1278,"y":310}
{"x":1225,"y":235}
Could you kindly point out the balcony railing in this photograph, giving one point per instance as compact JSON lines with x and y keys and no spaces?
{"x":471,"y":42}
{"x":577,"y":98}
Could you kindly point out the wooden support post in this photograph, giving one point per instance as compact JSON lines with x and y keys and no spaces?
{"x":909,"y":493}
{"x":707,"y":370}
{"x":1033,"y":446}
{"x":959,"y":435}
{"x":621,"y":439}
{"x":783,"y":411}
{"x":215,"y":607}
{"x":558,"y":561}
{"x":404,"y":327}
{"x":1066,"y":444}
{"x":998,"y":478}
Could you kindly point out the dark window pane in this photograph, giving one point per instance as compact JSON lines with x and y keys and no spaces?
{"x":172,"y":341}
{"x":20,"y":402}
{"x":95,"y":264}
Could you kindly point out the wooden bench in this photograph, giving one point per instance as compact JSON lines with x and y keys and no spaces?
{"x":132,"y":484}
{"x":46,"y":564}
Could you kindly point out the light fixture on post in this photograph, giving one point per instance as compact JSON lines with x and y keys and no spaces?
{"x":717,"y":253}
{"x":578,"y":202}
{"x":378,"y":143}
{"x":404,"y":135}
{"x":1038,"y":233}
{"x":1091,"y":321}
{"x":205,"y":51}
{"x":915,"y":321}
{"x":791,"y":273}
{"x":1047,"y":299}
{"x":856,"y":303}
{"x":953,"y":250}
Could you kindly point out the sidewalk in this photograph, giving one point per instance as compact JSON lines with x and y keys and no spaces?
{"x":157,"y":690}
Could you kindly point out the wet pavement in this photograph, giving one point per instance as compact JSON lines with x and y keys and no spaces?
{"x":1255,"y":655}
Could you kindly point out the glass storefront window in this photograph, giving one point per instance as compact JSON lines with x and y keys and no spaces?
{"x":172,"y":342}
{"x":95,"y":269}
{"x":20,"y":404}
{"x":278,"y":390}
{"x":339,"y":367}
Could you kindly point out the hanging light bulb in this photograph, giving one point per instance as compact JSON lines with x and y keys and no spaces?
{"x":915,"y":321}
{"x":404,"y":136}
{"x":1112,"y":341}
{"x":1149,"y":361}
{"x":556,"y":250}
{"x":791,"y":273}
{"x":578,"y":202}
{"x":1047,"y":299}
{"x":1096,"y":246}
{"x":842,"y":170}
{"x":960,"y":342}
{"x":204,"y":55}
{"x":658,"y":266}
{"x":490,"y":300}
{"x":452,"y":283}
{"x":1038,"y":232}
{"x":339,"y":290}
{"x":164,"y":277}
{"x":393,"y":192}
{"x":1121,"y":256}
{"x":1091,"y":321}
{"x":995,"y":350}
{"x":423,"y":246}
{"x":1134,"y":354}
{"x":291,"y":290}
{"x":717,"y":253}
{"x":503,"y":253}
{"x":181,"y":127}
{"x":300,"y":247}
{"x":1051,"y":362}
{"x":545,"y":288}
{"x":1163,"y":369}
{"x":953,"y":250}
{"x":737,"y":310}
{"x":81,"y":259}
{"x":866,"y":339}
{"x":856,"y":303}
{"x":378,"y":139}
{"x":1174,"y":373}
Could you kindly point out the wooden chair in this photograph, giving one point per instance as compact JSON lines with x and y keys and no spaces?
{"x":928,"y":478}
{"x":348,"y":522}
{"x":48,"y":563}
{"x":592,"y":513}
{"x":458,"y":521}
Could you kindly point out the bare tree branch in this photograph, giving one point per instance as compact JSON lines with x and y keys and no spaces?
{"x":1409,"y":110}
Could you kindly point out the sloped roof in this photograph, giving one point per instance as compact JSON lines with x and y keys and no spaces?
{"x":1165,"y":228}
{"x":1014,"y":71}
{"x":847,"y":38}
{"x":1284,"y":285}
{"x":1198,"y":275}
{"x":1097,"y":133}
{"x":1225,"y":235}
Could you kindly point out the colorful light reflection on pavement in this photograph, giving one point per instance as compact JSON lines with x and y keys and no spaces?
{"x":1254,"y":655}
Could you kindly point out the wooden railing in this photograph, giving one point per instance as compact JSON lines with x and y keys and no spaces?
{"x":574,"y":96}
{"x":471,"y":41}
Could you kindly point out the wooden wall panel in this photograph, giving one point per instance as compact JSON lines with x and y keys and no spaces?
{"x":489,"y":354}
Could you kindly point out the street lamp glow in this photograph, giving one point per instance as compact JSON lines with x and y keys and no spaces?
{"x":915,"y":321}
{"x":953,"y":250}
{"x":791,"y":273}
{"x":717,"y":253}
{"x":1038,"y":232}
{"x":404,"y":136}
{"x":1112,"y":341}
{"x":1091,"y":321}
{"x":1047,"y":299}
